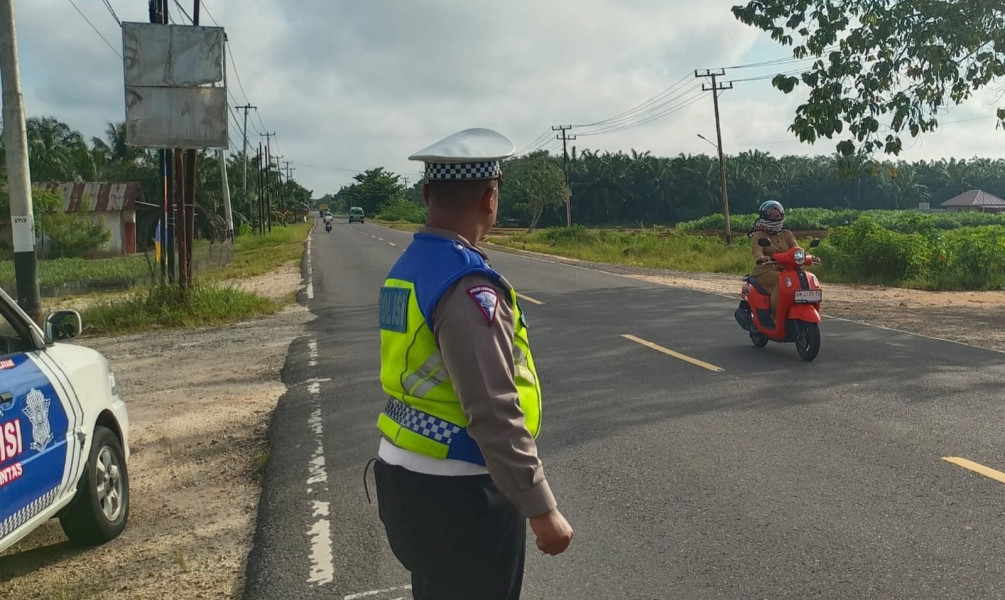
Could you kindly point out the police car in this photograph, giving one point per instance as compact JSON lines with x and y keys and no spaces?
{"x":63,"y":432}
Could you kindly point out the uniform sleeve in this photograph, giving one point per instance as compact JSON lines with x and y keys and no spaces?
{"x":756,"y":250}
{"x":790,"y":238}
{"x":475,"y":335}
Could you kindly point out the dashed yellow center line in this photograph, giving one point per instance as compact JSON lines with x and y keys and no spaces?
{"x":677,"y":355}
{"x":528,"y":299}
{"x":976,"y":468}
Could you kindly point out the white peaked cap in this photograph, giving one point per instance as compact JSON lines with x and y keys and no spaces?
{"x":469,"y":154}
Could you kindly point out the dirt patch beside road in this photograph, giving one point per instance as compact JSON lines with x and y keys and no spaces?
{"x":199,"y":402}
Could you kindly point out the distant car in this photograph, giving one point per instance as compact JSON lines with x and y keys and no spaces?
{"x":356,"y":214}
{"x":64,"y":432}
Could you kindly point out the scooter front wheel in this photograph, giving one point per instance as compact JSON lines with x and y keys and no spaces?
{"x":807,"y":339}
{"x":759,"y":339}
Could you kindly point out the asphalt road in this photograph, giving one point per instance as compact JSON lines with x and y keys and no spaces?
{"x":766,"y":478}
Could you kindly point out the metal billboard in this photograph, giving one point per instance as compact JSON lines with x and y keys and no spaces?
{"x":175,"y":86}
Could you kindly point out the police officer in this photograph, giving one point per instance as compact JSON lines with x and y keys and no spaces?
{"x":457,"y":471}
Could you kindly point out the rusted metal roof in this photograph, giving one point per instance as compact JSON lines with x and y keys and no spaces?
{"x":975,"y":198}
{"x":96,"y":197}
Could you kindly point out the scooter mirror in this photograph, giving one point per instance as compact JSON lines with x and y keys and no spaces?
{"x":815,"y":243}
{"x":763,"y":242}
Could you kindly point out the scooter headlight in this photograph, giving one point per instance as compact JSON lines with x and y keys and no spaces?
{"x":799,"y":256}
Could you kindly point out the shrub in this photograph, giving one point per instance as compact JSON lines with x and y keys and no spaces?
{"x":400,"y":208}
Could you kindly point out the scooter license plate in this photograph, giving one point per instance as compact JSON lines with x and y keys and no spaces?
{"x":809,"y":296}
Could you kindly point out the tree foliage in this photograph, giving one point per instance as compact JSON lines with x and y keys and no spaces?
{"x":883,"y":67}
{"x":533,"y":184}
{"x":58,"y":153}
{"x":373,"y":189}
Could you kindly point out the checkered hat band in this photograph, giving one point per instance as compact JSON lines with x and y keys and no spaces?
{"x":473,"y":170}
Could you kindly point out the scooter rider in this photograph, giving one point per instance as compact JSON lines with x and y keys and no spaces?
{"x":769,"y":226}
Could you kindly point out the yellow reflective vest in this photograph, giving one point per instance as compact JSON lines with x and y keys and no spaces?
{"x":423,"y":413}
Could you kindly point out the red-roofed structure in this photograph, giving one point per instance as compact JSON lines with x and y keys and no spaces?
{"x":113,"y":205}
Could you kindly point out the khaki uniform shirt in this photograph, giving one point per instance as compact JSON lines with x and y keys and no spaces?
{"x":478,"y":354}
{"x":780,"y":242}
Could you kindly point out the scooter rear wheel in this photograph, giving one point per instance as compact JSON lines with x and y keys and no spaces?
{"x":807,"y":339}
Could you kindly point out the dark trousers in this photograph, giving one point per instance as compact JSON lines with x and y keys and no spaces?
{"x":459,"y":536}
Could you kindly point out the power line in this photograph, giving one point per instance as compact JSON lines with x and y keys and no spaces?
{"x":777,"y":61}
{"x":770,"y":75}
{"x":108,"y":5}
{"x":640,"y":107}
{"x":331,"y":168}
{"x":208,"y":14}
{"x":668,"y":104}
{"x":537,"y":143}
{"x":182,"y":9}
{"x":649,"y":117}
{"x":237,"y":75}
{"x":95,"y":29}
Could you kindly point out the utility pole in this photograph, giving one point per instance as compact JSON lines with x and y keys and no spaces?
{"x":565,"y":167}
{"x":261,"y":196}
{"x":18,"y":174}
{"x":188,"y":239}
{"x":268,"y":179}
{"x":715,"y":88}
{"x":244,"y":132}
{"x":289,"y":175}
{"x":279,"y":173}
{"x":159,"y":14}
{"x":227,"y":210}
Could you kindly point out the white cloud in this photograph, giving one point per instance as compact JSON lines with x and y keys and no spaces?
{"x":350,"y":84}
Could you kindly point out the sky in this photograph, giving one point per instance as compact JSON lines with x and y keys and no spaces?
{"x":350,"y":85}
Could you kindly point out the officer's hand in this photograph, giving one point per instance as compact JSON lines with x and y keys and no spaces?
{"x":817,"y":261}
{"x":554,"y":534}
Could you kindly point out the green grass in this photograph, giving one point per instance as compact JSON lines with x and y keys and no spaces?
{"x":65,"y":275}
{"x":658,"y":249}
{"x":257,"y":255}
{"x":159,"y":307}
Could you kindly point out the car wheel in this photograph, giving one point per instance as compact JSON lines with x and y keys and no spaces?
{"x":100,"y":509}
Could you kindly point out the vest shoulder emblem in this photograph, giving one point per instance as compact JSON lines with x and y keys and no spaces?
{"x":487,"y":299}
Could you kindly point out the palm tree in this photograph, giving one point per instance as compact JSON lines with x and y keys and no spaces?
{"x":56,"y":152}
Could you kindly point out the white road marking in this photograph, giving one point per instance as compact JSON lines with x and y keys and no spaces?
{"x":528,"y":299}
{"x":375,"y":592}
{"x":381,"y":239}
{"x":322,"y":568}
{"x":310,"y":271}
{"x":393,"y":244}
{"x":312,"y":353}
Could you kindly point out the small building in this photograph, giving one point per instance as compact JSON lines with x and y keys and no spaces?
{"x":112,"y":205}
{"x":975,"y":200}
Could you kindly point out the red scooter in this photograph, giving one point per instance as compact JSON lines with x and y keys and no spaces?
{"x":799,"y":297}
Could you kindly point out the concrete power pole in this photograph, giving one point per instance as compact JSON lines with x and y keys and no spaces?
{"x":565,"y":167}
{"x":227,"y":211}
{"x":246,"y":108}
{"x":715,"y":88}
{"x":268,"y":180}
{"x":18,"y":174}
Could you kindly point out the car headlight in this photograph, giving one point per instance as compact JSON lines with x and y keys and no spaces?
{"x":800,"y":256}
{"x":112,"y":385}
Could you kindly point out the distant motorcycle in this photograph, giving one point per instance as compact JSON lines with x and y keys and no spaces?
{"x":799,"y":297}
{"x":328,"y":226}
